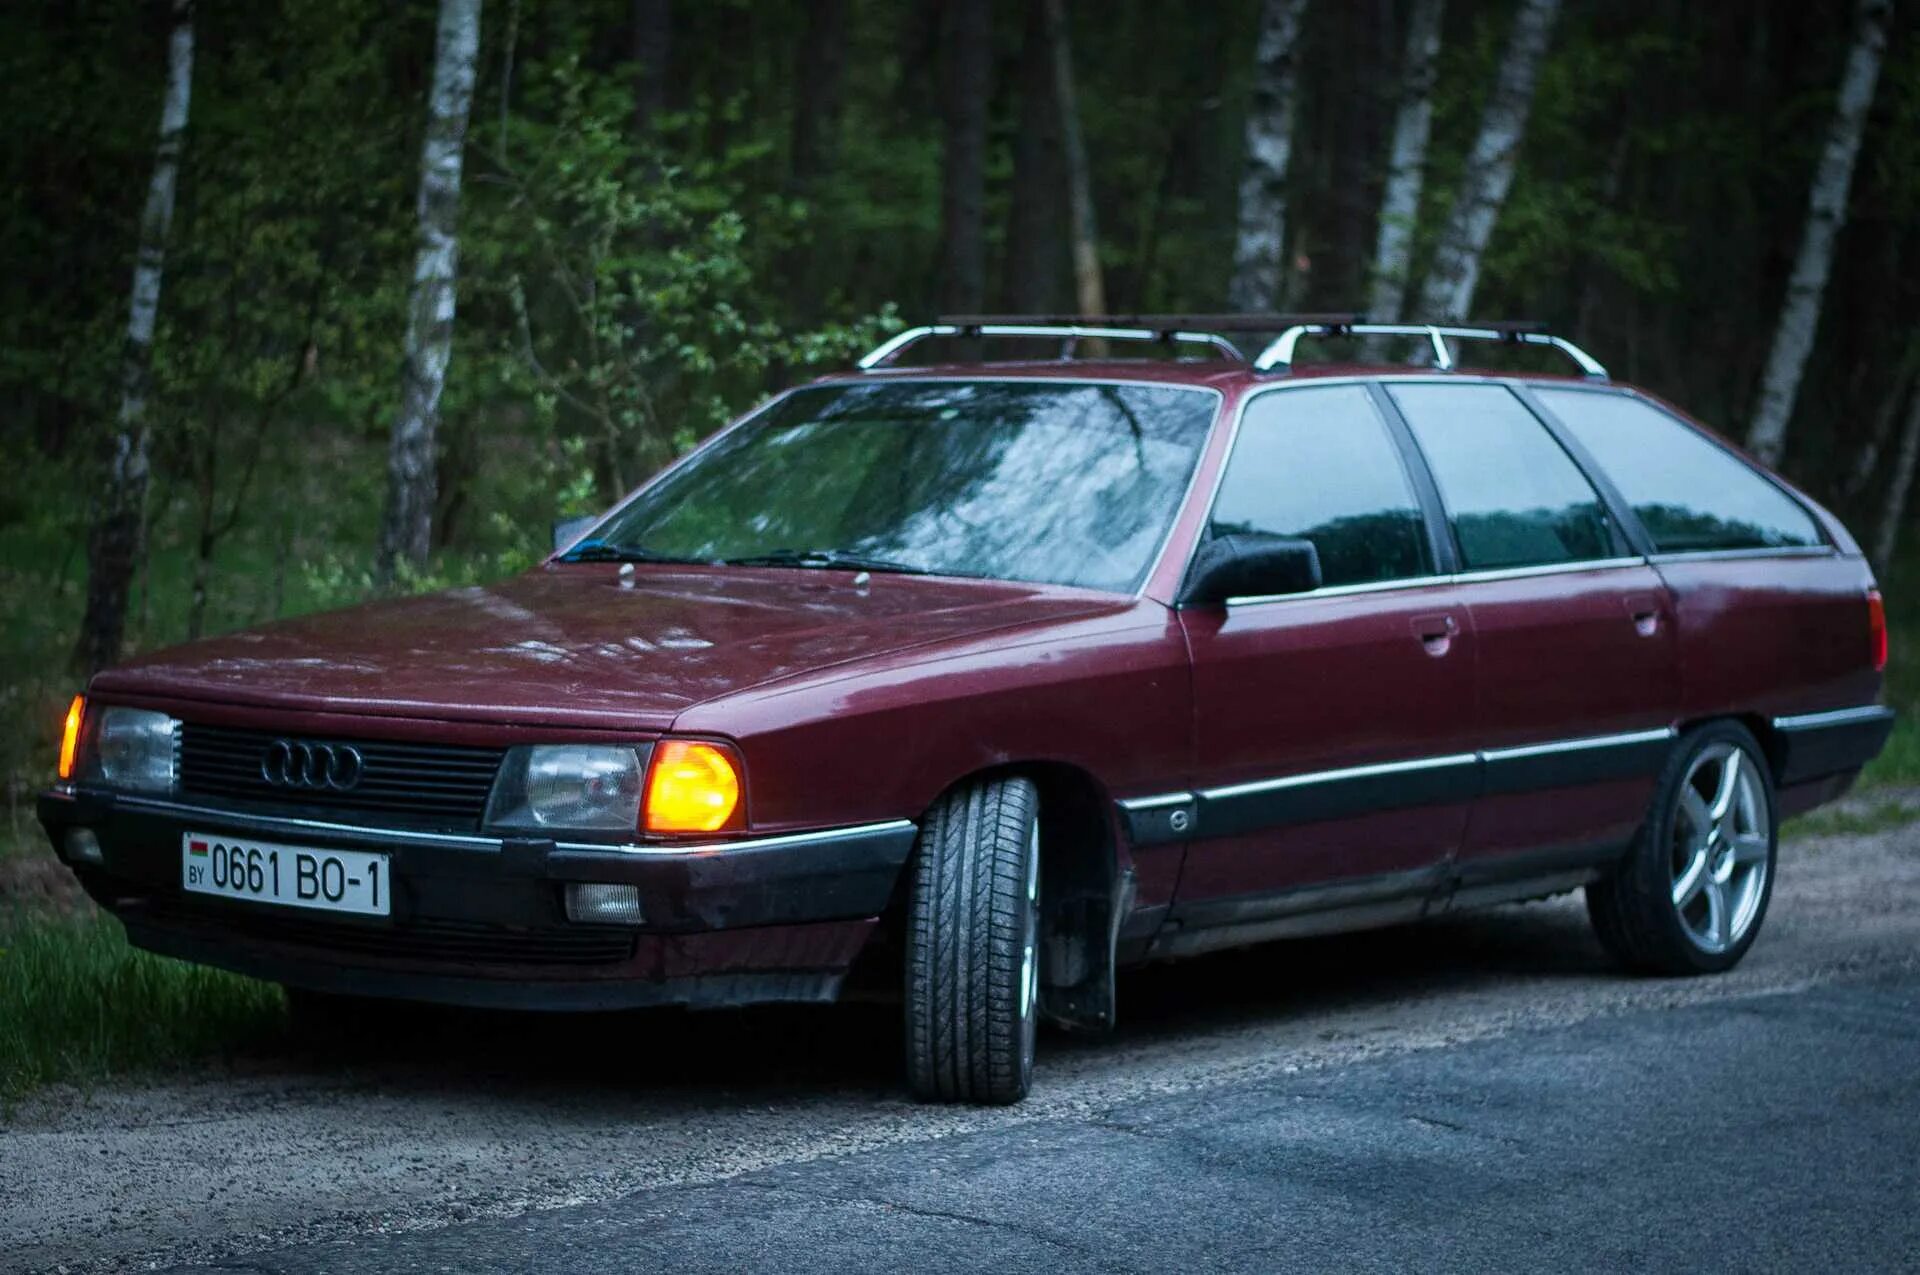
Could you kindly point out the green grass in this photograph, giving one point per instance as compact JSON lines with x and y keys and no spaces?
{"x":1840,"y":821}
{"x":78,"y":1004}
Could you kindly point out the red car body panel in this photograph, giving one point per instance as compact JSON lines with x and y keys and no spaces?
{"x":1392,"y":749}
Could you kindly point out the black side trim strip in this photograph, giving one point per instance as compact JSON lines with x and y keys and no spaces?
{"x":1815,"y":745}
{"x":1339,"y":794}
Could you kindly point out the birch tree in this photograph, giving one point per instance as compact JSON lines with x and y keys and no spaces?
{"x":114,"y":544}
{"x":1488,"y":174}
{"x":1887,"y":537}
{"x":1826,"y":214}
{"x":407,"y":531}
{"x":1406,"y":163}
{"x":1088,"y":284}
{"x":1260,"y":241}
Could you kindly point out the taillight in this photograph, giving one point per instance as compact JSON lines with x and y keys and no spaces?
{"x":70,"y":735}
{"x":1877,"y":628}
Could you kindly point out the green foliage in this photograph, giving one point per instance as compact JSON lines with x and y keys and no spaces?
{"x":627,"y":284}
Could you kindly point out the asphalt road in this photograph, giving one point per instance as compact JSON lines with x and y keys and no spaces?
{"x":1480,"y":1092}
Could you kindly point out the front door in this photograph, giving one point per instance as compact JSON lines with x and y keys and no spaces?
{"x":1334,"y":758}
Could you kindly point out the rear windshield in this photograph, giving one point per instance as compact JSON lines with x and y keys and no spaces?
{"x":1053,"y":482}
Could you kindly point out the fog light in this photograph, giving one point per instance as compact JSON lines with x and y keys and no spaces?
{"x":594,"y":903}
{"x":83,"y":846}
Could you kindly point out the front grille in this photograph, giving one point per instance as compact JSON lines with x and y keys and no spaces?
{"x":423,"y":785}
{"x":442,"y":942}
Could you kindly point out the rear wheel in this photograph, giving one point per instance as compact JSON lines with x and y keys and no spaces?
{"x":1691,"y":895}
{"x":973,"y":959}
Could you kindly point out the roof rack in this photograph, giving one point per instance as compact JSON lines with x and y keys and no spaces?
{"x":1186,"y":329}
{"x":1278,"y":357}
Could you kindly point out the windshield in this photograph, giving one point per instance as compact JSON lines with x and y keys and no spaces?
{"x":1052,"y":482}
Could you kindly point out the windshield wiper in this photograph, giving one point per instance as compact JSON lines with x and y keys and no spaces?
{"x":601,"y":551}
{"x":825,"y":558}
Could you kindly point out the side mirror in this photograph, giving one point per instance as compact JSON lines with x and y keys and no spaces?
{"x":568,"y":530}
{"x":1250,"y":565}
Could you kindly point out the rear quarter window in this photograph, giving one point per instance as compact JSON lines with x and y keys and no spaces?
{"x":1689,"y":493}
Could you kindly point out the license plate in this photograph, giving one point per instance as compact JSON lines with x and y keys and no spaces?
{"x":330,"y":880}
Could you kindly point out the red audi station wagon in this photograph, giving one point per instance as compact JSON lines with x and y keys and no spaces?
{"x":983,"y":681}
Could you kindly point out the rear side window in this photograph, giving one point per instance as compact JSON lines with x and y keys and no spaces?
{"x":1688,"y":492}
{"x":1515,"y":497}
{"x":1318,"y":464}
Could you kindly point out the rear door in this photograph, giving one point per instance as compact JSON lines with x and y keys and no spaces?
{"x":1577,"y":688}
{"x":1770,"y":622}
{"x":1334,"y":764}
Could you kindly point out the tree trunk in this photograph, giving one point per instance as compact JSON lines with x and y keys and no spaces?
{"x":1450,"y":284}
{"x":1088,"y":285}
{"x":115,"y":543}
{"x":967,"y":70}
{"x":818,"y":79}
{"x":1826,"y":213}
{"x":407,"y":533}
{"x":652,"y":45}
{"x":1036,"y":244}
{"x":1894,"y":512}
{"x":1260,"y":244}
{"x":1406,"y":164}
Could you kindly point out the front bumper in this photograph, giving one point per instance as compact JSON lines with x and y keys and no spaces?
{"x":480,"y":920}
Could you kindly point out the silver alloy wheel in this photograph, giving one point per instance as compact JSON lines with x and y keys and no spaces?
{"x":1030,"y":935}
{"x":1722,"y":847}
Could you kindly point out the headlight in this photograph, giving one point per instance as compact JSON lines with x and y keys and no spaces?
{"x":586,"y":787}
{"x":130,"y":748}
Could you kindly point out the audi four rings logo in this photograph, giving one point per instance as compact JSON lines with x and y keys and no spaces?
{"x":293,"y":763}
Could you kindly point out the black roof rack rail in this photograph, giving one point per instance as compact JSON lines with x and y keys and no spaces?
{"x":1194,"y":329}
{"x":1278,"y":357}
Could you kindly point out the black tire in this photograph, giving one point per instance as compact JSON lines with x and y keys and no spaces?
{"x":972,"y":945}
{"x":1633,"y":908}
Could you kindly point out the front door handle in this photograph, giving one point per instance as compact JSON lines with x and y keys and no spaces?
{"x":1644,"y":610}
{"x":1436,"y":632}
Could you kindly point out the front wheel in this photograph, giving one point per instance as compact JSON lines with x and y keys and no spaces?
{"x":973,"y":959}
{"x":1691,"y":894}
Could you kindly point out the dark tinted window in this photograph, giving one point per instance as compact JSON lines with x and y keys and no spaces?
{"x":1317,"y":464}
{"x":1515,"y":497}
{"x":1058,"y":482}
{"x":1688,"y":492}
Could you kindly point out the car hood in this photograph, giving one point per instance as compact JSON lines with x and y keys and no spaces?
{"x":581,"y":645}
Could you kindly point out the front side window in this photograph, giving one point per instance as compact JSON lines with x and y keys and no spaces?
{"x":1689,"y":493}
{"x":1048,"y":481}
{"x":1515,"y":497}
{"x":1317,"y":464}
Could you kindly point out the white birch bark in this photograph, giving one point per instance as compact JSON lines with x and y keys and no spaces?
{"x":1488,"y":175}
{"x":1089,"y":284}
{"x":1826,"y":214}
{"x":1260,"y":243}
{"x":1887,"y":536}
{"x":407,"y":531}
{"x":1406,"y":164}
{"x":114,"y":544}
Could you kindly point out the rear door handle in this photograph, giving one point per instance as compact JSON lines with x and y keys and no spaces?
{"x":1436,"y":632}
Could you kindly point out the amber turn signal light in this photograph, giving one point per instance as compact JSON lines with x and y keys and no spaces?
{"x":692,"y":786}
{"x":70,"y":735}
